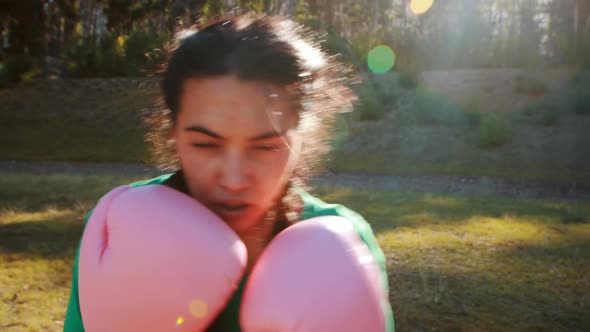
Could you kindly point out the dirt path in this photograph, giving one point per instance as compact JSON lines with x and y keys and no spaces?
{"x":482,"y":186}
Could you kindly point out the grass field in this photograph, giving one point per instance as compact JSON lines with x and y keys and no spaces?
{"x":456,"y":263}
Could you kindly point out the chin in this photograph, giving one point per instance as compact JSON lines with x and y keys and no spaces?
{"x":241,"y":225}
{"x":246,"y":223}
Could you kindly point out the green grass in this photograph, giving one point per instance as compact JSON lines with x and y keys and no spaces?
{"x":40,"y":226}
{"x":460,"y":263}
{"x":456,"y":263}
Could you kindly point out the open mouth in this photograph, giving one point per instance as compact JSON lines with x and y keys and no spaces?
{"x":231,"y":211}
{"x":234,"y":208}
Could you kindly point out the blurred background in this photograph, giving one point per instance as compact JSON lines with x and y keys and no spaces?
{"x":468,"y":150}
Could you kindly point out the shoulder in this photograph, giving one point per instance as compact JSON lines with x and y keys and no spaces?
{"x":157,"y":180}
{"x":315,"y":207}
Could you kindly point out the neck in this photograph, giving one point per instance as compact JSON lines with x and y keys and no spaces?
{"x":256,"y":239}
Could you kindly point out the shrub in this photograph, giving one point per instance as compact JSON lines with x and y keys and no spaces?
{"x":581,"y":93}
{"x":370,"y":105}
{"x":140,"y":52}
{"x":550,"y":116}
{"x":111,"y":56}
{"x":387,"y":89}
{"x":582,"y":102}
{"x":473,"y":108}
{"x":493,"y":131}
{"x":572,"y":97}
{"x":429,"y":108}
{"x":4,"y":77}
{"x":114,"y":55}
{"x":526,"y":85}
{"x":83,"y":58}
{"x":16,"y":69}
{"x":408,"y":80}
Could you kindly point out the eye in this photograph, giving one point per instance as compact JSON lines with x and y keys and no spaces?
{"x":205,"y":145}
{"x":267,"y":147}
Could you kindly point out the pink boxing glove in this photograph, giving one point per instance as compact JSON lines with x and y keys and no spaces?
{"x":154,"y":259}
{"x":317,"y":275}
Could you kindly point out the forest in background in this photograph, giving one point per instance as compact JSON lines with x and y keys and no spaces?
{"x":114,"y":38}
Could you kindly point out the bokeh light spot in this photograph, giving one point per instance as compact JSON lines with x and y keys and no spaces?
{"x":179,"y":321}
{"x":198,"y":308}
{"x":381,"y":59}
{"x":419,"y":7}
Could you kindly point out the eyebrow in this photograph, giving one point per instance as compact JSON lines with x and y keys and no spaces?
{"x":203,"y":130}
{"x":210,"y":133}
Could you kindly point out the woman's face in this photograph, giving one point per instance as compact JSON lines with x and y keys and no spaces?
{"x":238,"y":143}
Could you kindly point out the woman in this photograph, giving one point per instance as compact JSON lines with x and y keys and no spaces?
{"x":248,"y":104}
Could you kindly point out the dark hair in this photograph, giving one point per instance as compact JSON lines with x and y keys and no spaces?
{"x":257,"y":48}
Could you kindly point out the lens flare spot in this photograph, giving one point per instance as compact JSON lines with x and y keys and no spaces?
{"x":198,"y":308}
{"x":420,"y":7}
{"x":381,"y":59}
{"x":179,"y":321}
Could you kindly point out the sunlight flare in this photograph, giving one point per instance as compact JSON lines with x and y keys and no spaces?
{"x":419,"y":7}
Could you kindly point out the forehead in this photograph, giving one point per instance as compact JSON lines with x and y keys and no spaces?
{"x":235,"y":108}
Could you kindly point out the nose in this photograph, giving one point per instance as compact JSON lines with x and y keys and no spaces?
{"x":234,"y":173}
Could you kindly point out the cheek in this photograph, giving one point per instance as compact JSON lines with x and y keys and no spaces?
{"x":186,"y":154}
{"x":275,"y":163}
{"x":197,"y":168}
{"x":277,"y":170}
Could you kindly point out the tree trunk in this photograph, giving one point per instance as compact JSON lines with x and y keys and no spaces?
{"x":576,"y":29}
{"x":86,"y":7}
{"x":285,"y":7}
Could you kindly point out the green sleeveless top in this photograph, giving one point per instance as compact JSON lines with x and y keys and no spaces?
{"x":228,"y":319}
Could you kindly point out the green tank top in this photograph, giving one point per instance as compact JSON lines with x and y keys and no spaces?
{"x":228,"y":320}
